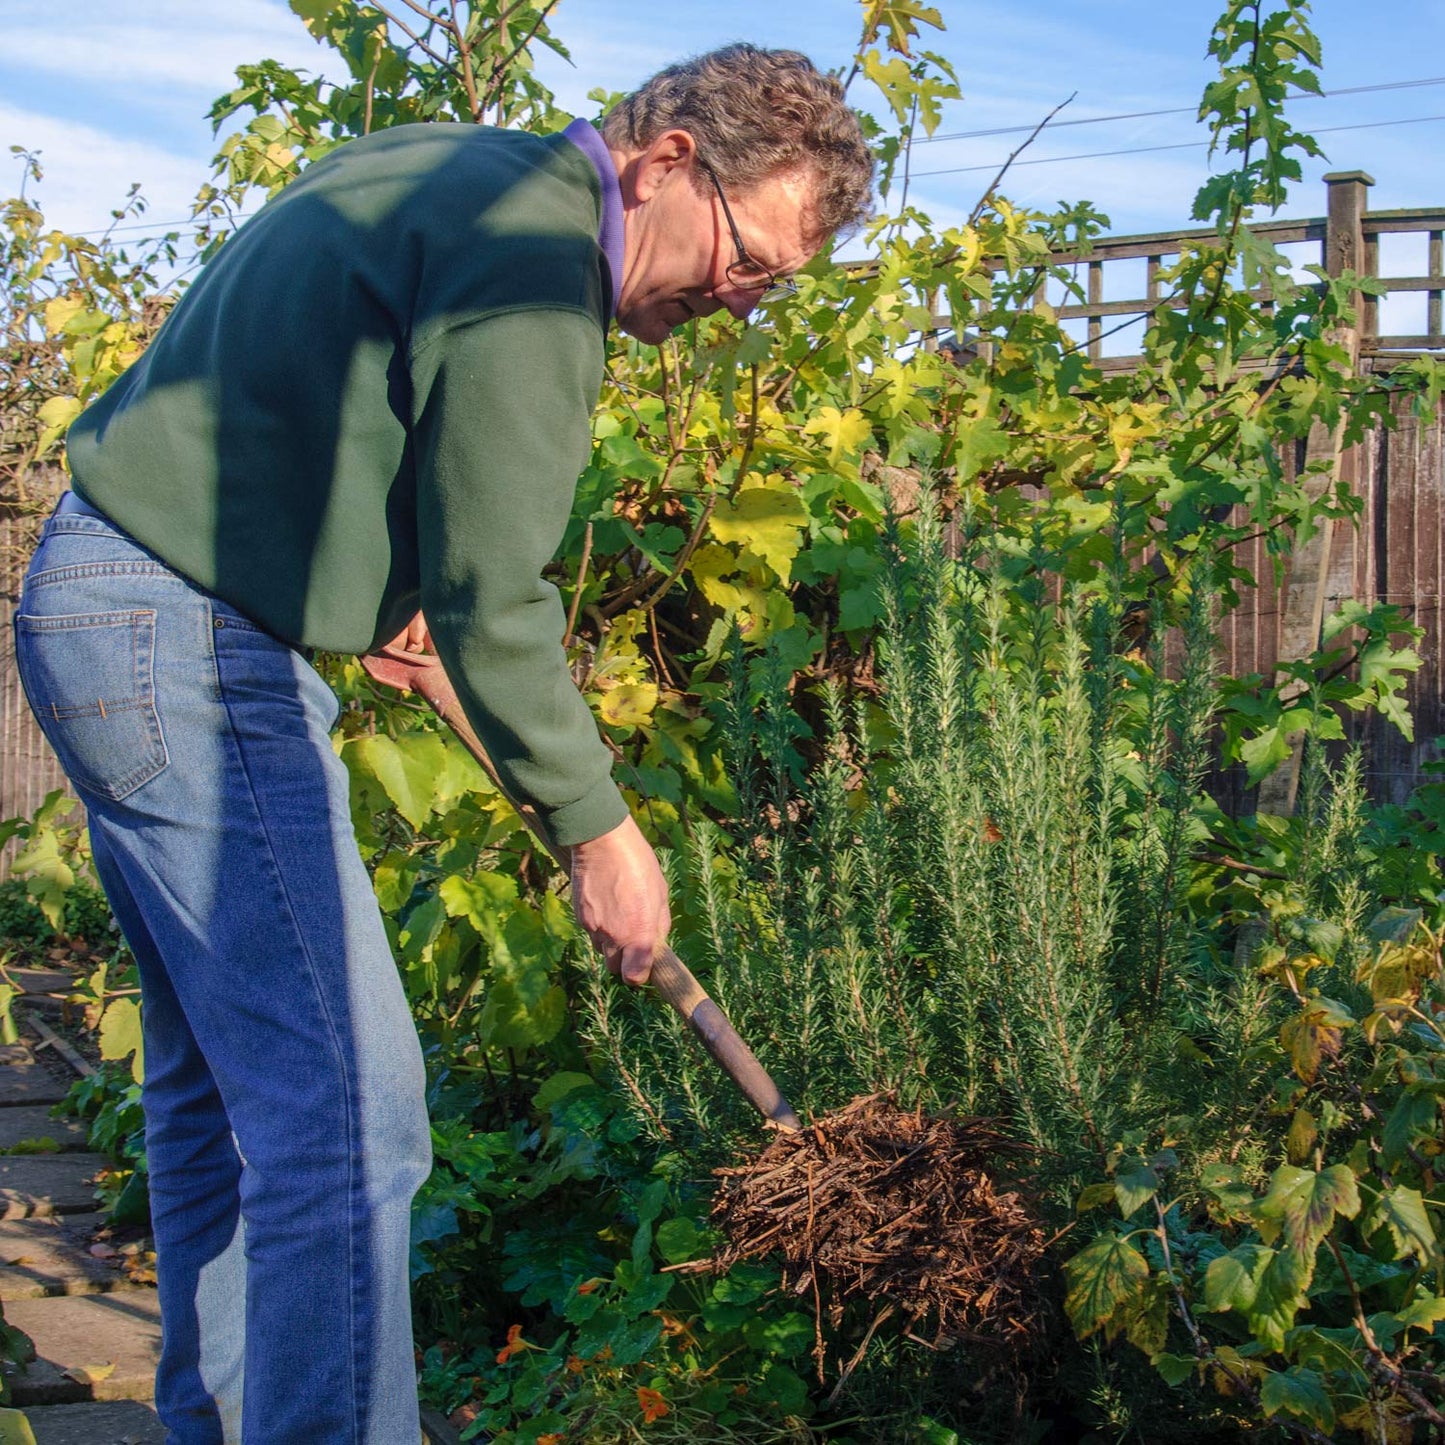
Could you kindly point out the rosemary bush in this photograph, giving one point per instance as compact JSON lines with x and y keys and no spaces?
{"x":977,"y":894}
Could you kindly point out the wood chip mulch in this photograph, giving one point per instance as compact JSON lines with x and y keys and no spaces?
{"x":899,"y":1208}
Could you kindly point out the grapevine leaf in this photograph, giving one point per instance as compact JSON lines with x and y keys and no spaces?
{"x":630,"y":704}
{"x":407,"y":769}
{"x":768,"y":520}
{"x":844,"y":431}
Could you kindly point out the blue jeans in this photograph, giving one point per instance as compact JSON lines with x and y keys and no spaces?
{"x":286,"y":1126}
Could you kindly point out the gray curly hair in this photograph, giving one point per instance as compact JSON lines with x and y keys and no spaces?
{"x":755,"y":113}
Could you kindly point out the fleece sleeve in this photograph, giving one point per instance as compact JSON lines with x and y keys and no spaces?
{"x":501,"y":428}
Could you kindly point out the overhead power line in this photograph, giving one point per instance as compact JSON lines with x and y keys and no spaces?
{"x":1141,"y":150}
{"x":1172,"y":110}
{"x":153,"y":227}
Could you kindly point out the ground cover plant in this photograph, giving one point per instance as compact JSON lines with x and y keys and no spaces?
{"x":908,"y":668}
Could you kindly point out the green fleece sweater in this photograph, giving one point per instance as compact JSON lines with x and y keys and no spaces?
{"x":377,"y":398}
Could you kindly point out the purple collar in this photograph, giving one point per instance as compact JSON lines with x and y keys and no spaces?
{"x":583,"y":135}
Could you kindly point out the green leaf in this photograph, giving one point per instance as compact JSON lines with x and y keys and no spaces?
{"x":1414,"y":1117}
{"x":1302,"y":1205}
{"x":522,"y":1012}
{"x":979,"y":442}
{"x":1400,"y":1212}
{"x":1175,"y":1369}
{"x":1300,"y":1393}
{"x":1232,"y":1198}
{"x":678,"y":1240}
{"x":432,"y":1221}
{"x":1136,"y":1181}
{"x":558,"y":1086}
{"x":484,"y":900}
{"x":1395,"y":925}
{"x":1093,"y":1197}
{"x":1102,"y":1278}
{"x":1424,"y":1314}
{"x":407,"y":769}
{"x":1262,"y":754}
{"x":785,"y":1336}
{"x":1232,"y":1281}
{"x":15,"y":1428}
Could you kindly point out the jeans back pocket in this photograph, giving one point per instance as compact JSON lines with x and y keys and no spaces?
{"x":90,"y":681}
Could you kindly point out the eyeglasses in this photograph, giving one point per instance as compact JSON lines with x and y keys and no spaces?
{"x":745,"y":273}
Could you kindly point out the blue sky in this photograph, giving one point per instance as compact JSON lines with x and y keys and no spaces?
{"x":119,"y":92}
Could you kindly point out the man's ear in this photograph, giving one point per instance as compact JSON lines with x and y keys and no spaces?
{"x":672,"y":152}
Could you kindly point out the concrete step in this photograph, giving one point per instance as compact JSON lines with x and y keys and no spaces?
{"x":51,"y":1256}
{"x":35,"y":1121}
{"x":42,"y":1184}
{"x":88,"y":1347}
{"x":107,"y":1422}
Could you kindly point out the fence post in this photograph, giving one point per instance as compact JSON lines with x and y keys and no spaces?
{"x":1312,"y":577}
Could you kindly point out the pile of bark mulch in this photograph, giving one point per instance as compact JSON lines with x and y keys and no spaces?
{"x":898,"y":1208}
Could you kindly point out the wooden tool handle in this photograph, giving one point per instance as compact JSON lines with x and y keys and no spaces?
{"x":671,"y":977}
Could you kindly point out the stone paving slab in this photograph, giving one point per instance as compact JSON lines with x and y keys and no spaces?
{"x":25,"y":1080}
{"x":41,"y":1184}
{"x":41,"y":1257}
{"x":35,"y":1121}
{"x":88,"y":1332}
{"x":110,"y":1422}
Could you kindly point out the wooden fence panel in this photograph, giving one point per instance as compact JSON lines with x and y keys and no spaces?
{"x":28,"y":768}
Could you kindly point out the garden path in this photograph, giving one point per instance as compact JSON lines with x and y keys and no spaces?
{"x":89,"y":1307}
{"x":85,"y":1302}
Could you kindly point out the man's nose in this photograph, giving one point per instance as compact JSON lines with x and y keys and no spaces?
{"x":742,"y":304}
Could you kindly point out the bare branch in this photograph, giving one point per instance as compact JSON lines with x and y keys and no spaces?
{"x":987,"y":196}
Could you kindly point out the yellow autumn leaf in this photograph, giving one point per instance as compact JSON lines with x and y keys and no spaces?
{"x":90,"y":1374}
{"x":59,"y":312}
{"x":630,"y":705}
{"x":1133,"y":425}
{"x":844,"y":431}
{"x":768,"y":520}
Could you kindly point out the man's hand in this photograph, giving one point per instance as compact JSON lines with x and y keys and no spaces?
{"x":620,"y":898}
{"x":414,"y":637}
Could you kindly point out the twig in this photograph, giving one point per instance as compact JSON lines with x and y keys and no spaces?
{"x":987,"y":196}
{"x":581,"y":582}
{"x":494,"y":81}
{"x":415,"y":38}
{"x":858,"y":1354}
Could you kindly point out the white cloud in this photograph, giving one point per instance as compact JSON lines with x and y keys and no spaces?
{"x":189,"y":49}
{"x":88,"y":171}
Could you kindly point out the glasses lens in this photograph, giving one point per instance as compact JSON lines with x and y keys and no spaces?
{"x":747,"y":274}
